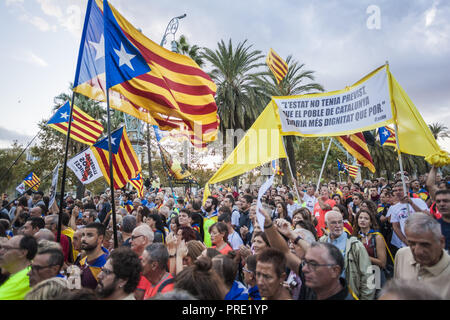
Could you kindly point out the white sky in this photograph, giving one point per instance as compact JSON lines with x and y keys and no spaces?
{"x":40,"y":40}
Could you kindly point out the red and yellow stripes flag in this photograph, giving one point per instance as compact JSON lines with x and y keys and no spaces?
{"x":125,"y":162}
{"x":84,"y":129}
{"x":173,"y":93}
{"x":352,"y":170}
{"x":356,"y":145}
{"x":138,"y":184}
{"x":32,"y":180}
{"x":277,"y":65}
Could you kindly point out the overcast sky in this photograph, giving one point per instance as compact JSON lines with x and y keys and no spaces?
{"x":340,"y":40}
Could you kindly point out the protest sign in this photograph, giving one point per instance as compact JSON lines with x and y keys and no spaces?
{"x":363,"y":106}
{"x":85,"y":166}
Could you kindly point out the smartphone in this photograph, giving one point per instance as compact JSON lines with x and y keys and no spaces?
{"x":80,"y":215}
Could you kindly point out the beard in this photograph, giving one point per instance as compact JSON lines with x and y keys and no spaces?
{"x":104,"y":292}
{"x":88,"y":247}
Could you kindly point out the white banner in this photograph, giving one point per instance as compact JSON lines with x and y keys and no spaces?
{"x":21,"y":188}
{"x":266,"y":185}
{"x":53,"y":187}
{"x":85,"y":167}
{"x":358,"y":108}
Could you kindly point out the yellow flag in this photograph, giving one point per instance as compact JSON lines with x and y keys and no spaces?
{"x":262,"y":143}
{"x":414,"y":136}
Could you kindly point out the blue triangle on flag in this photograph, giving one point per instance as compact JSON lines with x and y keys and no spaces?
{"x":123,"y":60}
{"x":137,"y":178}
{"x":116,"y":138}
{"x":384,"y":134}
{"x":61,"y":115}
{"x":29,"y":177}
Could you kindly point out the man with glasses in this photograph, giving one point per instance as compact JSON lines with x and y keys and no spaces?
{"x":249,"y":275}
{"x":141,"y":237}
{"x":120,"y":275}
{"x":357,"y":261}
{"x":46,"y":264}
{"x":15,"y":257}
{"x":319,"y":270}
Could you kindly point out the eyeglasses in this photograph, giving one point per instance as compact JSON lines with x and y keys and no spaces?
{"x":314,"y":265}
{"x":135,"y":237}
{"x":246,"y":270}
{"x":39,"y":268}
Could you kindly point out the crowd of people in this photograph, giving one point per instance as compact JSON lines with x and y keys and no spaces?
{"x":339,"y":241}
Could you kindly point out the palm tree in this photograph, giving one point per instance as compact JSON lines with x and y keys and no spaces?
{"x":194,"y":52}
{"x":439,"y":130}
{"x":292,"y":84}
{"x":233,"y":71}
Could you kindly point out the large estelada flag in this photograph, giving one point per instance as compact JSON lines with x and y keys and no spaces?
{"x":125,"y":161}
{"x":138,"y":184}
{"x":277,"y":65}
{"x":387,"y":137}
{"x":32,"y":181}
{"x":356,"y":145}
{"x":147,"y":81}
{"x":84,"y":129}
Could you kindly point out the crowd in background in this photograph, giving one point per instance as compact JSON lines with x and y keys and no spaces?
{"x":337,"y":241}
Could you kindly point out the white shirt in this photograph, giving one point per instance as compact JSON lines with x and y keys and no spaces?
{"x":292,"y":207}
{"x":310,"y":202}
{"x":235,"y":217}
{"x":235,"y":240}
{"x":399,"y":213}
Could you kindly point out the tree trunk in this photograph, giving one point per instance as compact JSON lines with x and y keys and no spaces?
{"x":291,"y":155}
{"x":285,"y":170}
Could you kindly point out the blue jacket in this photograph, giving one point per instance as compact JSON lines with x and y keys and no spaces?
{"x":237,"y":292}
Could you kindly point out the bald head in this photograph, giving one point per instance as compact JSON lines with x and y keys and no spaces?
{"x":36,"y":212}
{"x":44,"y":234}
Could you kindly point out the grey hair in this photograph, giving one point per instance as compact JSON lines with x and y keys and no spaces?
{"x":410,"y":290}
{"x":54,"y":219}
{"x":334,"y":253}
{"x":420,"y":223}
{"x":44,"y":234}
{"x":129,"y":223}
{"x":146,"y":231}
{"x":328,"y":214}
{"x":158,"y":252}
{"x":176,"y":294}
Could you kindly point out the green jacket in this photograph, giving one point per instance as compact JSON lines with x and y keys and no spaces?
{"x":357,"y":268}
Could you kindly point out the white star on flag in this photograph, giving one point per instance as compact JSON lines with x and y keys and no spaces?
{"x":113,"y":140}
{"x":99,"y":48}
{"x":124,"y":57}
{"x":64,"y":115}
{"x":385,"y":133}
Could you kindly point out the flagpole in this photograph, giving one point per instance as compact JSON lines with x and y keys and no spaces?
{"x":324,"y":161}
{"x":290,"y":170}
{"x":15,"y":161}
{"x":396,"y":132}
{"x":111,"y":171}
{"x":63,"y":182}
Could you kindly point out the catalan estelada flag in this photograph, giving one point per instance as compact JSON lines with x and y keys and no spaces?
{"x":85,"y":129}
{"x":32,"y":181}
{"x":387,"y":137}
{"x":356,"y":145}
{"x":138,"y":184}
{"x":277,"y":65}
{"x":125,"y":162}
{"x":147,"y":81}
{"x":352,"y":170}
